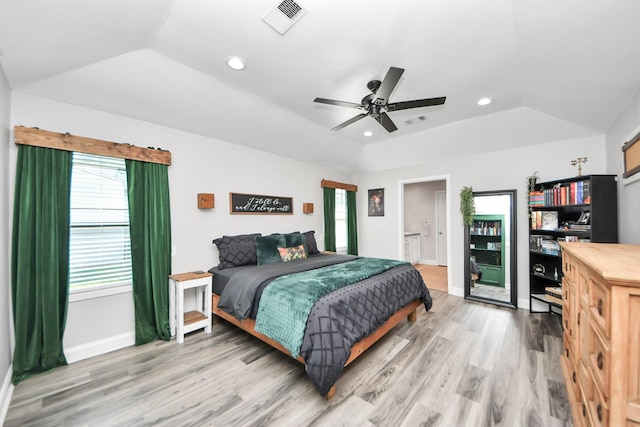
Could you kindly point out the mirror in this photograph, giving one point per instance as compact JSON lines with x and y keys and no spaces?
{"x":490,"y":249}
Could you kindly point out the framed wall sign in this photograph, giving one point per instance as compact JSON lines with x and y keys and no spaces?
{"x":259,"y":204}
{"x":376,"y":202}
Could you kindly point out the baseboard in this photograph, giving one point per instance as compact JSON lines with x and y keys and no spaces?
{"x":523,"y":303}
{"x":456,"y":292}
{"x":5,"y":394}
{"x":95,"y":348}
{"x":428,"y":261}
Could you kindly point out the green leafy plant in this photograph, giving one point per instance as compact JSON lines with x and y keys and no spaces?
{"x":467,"y":205}
{"x":532,"y":180}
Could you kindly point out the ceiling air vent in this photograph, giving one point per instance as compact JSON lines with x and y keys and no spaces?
{"x":284,"y":15}
{"x":416,"y":120}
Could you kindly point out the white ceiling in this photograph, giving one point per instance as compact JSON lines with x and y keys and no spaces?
{"x":556,"y":69}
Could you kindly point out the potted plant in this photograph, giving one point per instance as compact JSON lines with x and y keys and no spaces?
{"x":532,"y":180}
{"x":467,"y":205}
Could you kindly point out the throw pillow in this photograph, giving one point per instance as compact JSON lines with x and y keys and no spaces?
{"x":312,"y":245}
{"x":293,"y":253}
{"x":296,"y":239}
{"x":237,"y":250}
{"x":267,"y":248}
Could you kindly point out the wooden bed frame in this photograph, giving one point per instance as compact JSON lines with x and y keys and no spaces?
{"x":358,"y":348}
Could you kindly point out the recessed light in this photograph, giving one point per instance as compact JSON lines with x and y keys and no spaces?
{"x":484,"y":101}
{"x":236,"y":63}
{"x":368,"y":133}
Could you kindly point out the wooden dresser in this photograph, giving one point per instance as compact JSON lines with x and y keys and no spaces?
{"x":601,"y":322}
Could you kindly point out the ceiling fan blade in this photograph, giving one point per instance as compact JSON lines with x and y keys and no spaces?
{"x":395,"y":106}
{"x":338,"y":103}
{"x":388,"y":85}
{"x":350,"y":121}
{"x":386,"y":122}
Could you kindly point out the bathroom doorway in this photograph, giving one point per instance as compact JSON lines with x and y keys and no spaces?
{"x":424,"y":227}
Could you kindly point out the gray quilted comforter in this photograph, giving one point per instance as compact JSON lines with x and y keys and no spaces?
{"x":337,"y":320}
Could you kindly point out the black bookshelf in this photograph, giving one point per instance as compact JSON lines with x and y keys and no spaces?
{"x":582,"y":209}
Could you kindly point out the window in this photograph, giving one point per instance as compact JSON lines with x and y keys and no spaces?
{"x":341,"y":220}
{"x":99,"y":242}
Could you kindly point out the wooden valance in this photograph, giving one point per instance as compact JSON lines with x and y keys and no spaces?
{"x":68,"y":142}
{"x":325,"y":183}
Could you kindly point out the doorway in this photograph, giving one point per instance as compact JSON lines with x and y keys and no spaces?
{"x":423,"y":219}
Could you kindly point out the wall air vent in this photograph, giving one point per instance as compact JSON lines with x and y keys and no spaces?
{"x":284,"y":15}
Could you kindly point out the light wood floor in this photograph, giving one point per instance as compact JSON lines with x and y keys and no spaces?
{"x":435,"y":276}
{"x":461,"y":364}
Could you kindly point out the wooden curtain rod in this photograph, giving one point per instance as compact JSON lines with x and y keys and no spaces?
{"x":68,"y":142}
{"x":325,"y":183}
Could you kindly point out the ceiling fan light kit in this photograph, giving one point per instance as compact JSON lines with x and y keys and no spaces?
{"x":376,"y":104}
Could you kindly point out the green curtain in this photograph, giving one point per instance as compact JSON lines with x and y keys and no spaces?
{"x":329,"y":219}
{"x":352,"y":224}
{"x":40,"y":259}
{"x":150,"y":228}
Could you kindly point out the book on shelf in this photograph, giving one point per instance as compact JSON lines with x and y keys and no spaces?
{"x":544,"y":245}
{"x":572,"y":193}
{"x":536,"y":198}
{"x":536,"y":220}
{"x":554,"y":294}
{"x":579,"y":227}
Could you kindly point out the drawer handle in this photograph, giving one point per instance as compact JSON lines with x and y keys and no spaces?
{"x":584,"y":410}
{"x":600,"y":361}
{"x":599,"y":412}
{"x":600,"y":306}
{"x":566,"y":350}
{"x":573,"y":377}
{"x":578,"y":319}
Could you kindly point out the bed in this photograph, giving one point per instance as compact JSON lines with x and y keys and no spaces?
{"x":322,"y":309}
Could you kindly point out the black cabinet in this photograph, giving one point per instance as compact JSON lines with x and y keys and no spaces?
{"x":580,"y":209}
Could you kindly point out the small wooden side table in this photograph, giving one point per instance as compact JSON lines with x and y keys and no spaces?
{"x":181,"y":322}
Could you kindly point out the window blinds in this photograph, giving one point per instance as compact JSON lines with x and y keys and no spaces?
{"x":99,"y":246}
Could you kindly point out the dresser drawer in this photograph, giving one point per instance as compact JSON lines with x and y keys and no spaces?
{"x":573,"y":377}
{"x":598,"y":409}
{"x":586,"y":383}
{"x":600,"y":306}
{"x":569,"y":266}
{"x":583,"y":291}
{"x":599,"y":361}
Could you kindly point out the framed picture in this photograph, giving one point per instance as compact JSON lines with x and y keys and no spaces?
{"x":252,"y":204}
{"x":549,"y":220}
{"x":631,"y":153}
{"x":584,"y":218}
{"x":376,"y":202}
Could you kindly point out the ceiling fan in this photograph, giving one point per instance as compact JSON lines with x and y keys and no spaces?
{"x":376,"y":104}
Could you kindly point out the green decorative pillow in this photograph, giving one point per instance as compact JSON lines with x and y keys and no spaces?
{"x":267,"y":248}
{"x":291,"y":254}
{"x":295,"y":239}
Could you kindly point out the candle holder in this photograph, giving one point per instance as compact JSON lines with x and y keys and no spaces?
{"x":579,"y":161}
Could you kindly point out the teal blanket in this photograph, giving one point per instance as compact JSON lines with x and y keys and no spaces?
{"x":287,"y":301}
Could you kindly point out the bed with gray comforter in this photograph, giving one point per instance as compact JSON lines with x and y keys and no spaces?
{"x":336,"y":320}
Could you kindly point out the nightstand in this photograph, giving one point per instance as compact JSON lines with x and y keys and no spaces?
{"x":181,"y":322}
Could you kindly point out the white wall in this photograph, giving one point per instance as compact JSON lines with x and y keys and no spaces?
{"x":501,"y":170}
{"x":419,"y":206}
{"x":625,"y":128}
{"x":5,"y":277}
{"x":199,"y":165}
